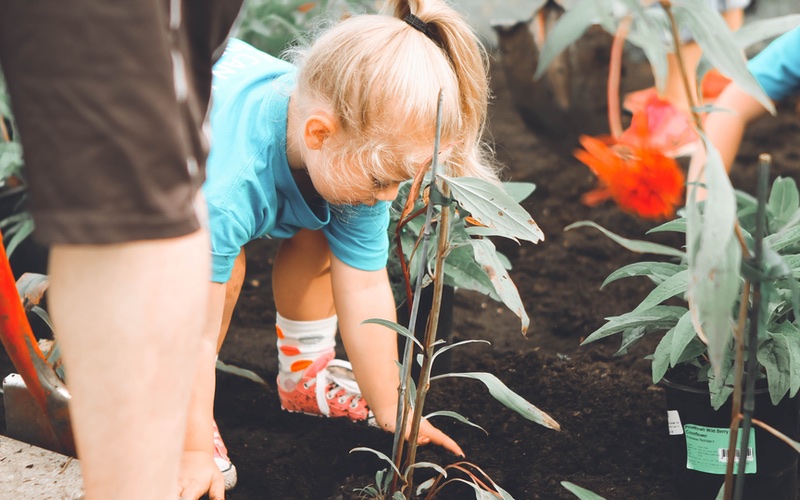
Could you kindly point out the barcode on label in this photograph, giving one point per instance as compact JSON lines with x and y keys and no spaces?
{"x":723,"y":455}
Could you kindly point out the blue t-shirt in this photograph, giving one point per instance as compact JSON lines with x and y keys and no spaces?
{"x":250,"y":189}
{"x":777,"y":67}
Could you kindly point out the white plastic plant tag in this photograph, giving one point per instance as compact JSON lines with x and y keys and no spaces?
{"x":674,"y":423}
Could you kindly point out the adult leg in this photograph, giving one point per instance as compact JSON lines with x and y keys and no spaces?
{"x":127,"y":318}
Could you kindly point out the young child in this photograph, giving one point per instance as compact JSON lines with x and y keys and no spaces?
{"x":777,"y":70}
{"x":312,"y":153}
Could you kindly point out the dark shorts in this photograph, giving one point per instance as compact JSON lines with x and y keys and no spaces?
{"x":110,"y":99}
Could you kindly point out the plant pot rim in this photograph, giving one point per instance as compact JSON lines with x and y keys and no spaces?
{"x":699,"y":390}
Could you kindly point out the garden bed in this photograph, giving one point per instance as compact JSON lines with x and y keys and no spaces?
{"x":613,"y":437}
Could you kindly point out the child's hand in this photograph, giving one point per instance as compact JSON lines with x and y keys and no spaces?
{"x":200,"y":475}
{"x":387,"y":420}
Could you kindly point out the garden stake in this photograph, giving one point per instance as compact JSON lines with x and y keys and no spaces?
{"x":764,"y":161}
{"x":403,"y":404}
{"x":41,"y":380}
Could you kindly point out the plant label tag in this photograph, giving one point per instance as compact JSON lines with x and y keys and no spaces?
{"x":674,"y":423}
{"x":707,"y":449}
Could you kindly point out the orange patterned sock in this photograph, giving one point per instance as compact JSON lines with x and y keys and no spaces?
{"x":300,"y":343}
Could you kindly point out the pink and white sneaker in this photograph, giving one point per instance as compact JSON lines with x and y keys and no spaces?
{"x":327,"y":389}
{"x":222,"y":460}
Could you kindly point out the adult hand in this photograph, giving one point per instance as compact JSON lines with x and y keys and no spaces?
{"x":199,"y":476}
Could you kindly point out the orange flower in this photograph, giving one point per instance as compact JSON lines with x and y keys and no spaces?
{"x":638,"y":177}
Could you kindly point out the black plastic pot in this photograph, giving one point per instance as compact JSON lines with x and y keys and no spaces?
{"x":698,"y":436}
{"x":443,"y":332}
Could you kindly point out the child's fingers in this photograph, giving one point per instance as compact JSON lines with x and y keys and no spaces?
{"x":430,"y":434}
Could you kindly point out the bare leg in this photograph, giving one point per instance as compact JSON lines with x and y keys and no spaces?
{"x":301,"y":278}
{"x":232,"y":290}
{"x":129,"y":318}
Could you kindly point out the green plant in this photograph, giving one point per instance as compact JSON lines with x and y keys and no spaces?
{"x":779,"y":332}
{"x":728,"y":253}
{"x":473,"y":262}
{"x":447,"y":204}
{"x":16,"y":223}
{"x":273,"y":26}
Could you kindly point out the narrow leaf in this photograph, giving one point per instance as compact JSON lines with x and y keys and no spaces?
{"x":486,"y":256}
{"x":632,"y":245}
{"x":655,"y":318}
{"x":241,"y":372}
{"x":507,"y":397}
{"x":570,"y":27}
{"x":457,"y":416}
{"x":581,"y":493}
{"x":393,"y":326}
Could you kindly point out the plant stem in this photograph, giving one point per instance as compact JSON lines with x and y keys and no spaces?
{"x":614,"y":71}
{"x":403,"y":397}
{"x":676,"y":40}
{"x":764,"y":161}
{"x":433,"y":318}
{"x":4,"y":130}
{"x":736,"y":403}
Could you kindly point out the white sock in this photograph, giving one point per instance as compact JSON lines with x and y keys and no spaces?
{"x":300,"y":343}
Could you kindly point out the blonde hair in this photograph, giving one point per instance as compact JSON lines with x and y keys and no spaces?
{"x":381,"y":77}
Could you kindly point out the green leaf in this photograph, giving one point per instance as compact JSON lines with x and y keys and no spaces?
{"x":393,"y":326}
{"x":714,"y":258}
{"x":658,"y":317}
{"x":629,"y":338}
{"x":570,"y":27}
{"x":519,"y":191}
{"x":675,"y":225}
{"x":646,"y":32}
{"x":462,"y":271}
{"x":457,"y":416}
{"x":719,"y":47}
{"x":507,"y":397}
{"x":755,"y":31}
{"x":661,"y":356}
{"x":380,"y":455}
{"x":682,"y":336}
{"x":632,"y":245}
{"x":784,"y":201}
{"x":720,"y":386}
{"x":780,"y":355}
{"x":493,"y":208}
{"x":458,"y":344}
{"x":658,"y":272}
{"x":481,"y":494}
{"x":581,"y":493}
{"x":783,"y":239}
{"x":486,"y":256}
{"x":241,"y":372}
{"x":672,"y":286}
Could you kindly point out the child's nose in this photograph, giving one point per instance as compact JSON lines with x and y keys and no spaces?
{"x":389,"y":193}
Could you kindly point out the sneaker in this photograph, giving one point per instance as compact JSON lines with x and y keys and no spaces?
{"x":327,"y":389}
{"x":222,"y":460}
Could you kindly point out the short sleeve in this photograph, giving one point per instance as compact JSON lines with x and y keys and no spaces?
{"x":228,"y":236}
{"x":357,"y":235}
{"x":777,"y":67}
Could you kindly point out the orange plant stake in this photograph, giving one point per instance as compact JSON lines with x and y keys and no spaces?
{"x":21,"y":345}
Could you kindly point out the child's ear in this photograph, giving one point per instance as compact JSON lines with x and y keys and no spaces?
{"x":319,"y":126}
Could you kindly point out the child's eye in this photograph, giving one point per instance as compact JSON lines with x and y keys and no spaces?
{"x":379,"y":184}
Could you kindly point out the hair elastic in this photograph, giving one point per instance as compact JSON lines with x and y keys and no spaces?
{"x":421,"y":26}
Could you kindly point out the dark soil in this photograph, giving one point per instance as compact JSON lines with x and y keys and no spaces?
{"x":613,"y":422}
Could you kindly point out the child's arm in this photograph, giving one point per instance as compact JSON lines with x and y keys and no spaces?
{"x":724,"y":130}
{"x":372,"y":349}
{"x":199,"y":473}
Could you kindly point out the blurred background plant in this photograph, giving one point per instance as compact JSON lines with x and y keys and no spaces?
{"x":15,"y":223}
{"x":273,"y":26}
